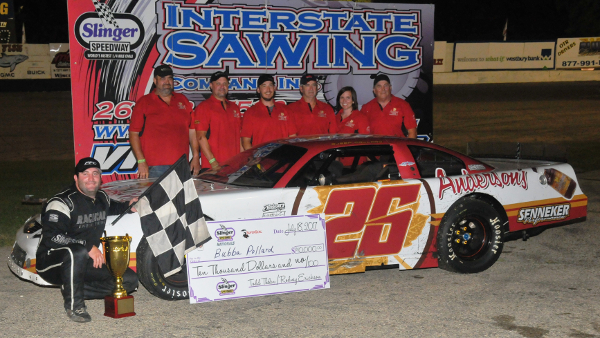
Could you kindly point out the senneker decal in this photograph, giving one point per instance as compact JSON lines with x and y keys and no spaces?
{"x":544,"y":214}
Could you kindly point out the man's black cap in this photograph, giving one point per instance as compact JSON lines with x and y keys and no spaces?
{"x":218,"y":75}
{"x":306,"y":78}
{"x":381,"y":77}
{"x":163,"y":70}
{"x":264,"y":78}
{"x":86,"y":163}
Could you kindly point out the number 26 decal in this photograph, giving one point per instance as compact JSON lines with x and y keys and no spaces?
{"x":369,"y":220}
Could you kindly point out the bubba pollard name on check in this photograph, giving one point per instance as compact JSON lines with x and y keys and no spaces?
{"x":251,"y":251}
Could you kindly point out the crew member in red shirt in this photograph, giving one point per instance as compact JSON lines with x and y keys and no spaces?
{"x":309,"y":115}
{"x":387,"y":113}
{"x":350,"y":120}
{"x":266,"y":120}
{"x":161,"y":128}
{"x":223,"y":119}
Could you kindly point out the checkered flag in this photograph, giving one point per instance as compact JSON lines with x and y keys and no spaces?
{"x":171,"y":217}
{"x":105,"y":13}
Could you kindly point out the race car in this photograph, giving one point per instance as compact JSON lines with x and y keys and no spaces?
{"x":387,"y":201}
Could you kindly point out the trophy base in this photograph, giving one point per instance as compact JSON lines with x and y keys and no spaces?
{"x":118,"y":307}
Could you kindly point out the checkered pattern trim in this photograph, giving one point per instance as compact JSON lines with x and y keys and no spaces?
{"x":172,"y":218}
{"x":105,"y":13}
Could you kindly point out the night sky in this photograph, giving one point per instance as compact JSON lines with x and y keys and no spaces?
{"x":455,"y":20}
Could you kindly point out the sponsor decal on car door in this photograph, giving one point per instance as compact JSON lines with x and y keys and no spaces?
{"x":372,"y":224}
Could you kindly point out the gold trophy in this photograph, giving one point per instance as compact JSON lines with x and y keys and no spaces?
{"x":116,"y":253}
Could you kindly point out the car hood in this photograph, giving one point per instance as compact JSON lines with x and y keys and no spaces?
{"x":128,"y":189}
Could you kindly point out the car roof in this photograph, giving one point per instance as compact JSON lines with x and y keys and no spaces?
{"x":328,"y":141}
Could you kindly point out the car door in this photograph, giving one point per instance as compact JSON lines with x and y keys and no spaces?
{"x":373,"y":217}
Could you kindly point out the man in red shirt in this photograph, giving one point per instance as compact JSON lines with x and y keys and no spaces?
{"x":161,"y":128}
{"x":387,"y":113}
{"x":223,"y":119}
{"x":309,"y":115}
{"x":266,"y":120}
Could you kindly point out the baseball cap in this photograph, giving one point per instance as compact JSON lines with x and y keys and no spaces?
{"x":381,"y":77}
{"x":306,"y":78}
{"x":163,"y":70}
{"x":86,"y":163}
{"x":218,"y":75}
{"x":264,"y":78}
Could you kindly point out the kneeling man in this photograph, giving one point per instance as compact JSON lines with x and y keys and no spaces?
{"x":68,"y":254}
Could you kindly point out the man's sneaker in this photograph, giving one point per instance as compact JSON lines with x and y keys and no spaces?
{"x":79,"y":315}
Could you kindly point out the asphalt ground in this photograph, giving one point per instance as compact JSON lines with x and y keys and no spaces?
{"x":547,"y":286}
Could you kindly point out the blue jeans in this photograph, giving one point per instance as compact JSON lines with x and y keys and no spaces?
{"x":157,"y":170}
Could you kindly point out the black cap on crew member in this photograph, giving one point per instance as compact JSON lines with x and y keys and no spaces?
{"x":86,"y":163}
{"x":264,"y":78}
{"x":381,"y":77}
{"x":306,"y":78}
{"x":218,"y":75}
{"x":163,"y":70}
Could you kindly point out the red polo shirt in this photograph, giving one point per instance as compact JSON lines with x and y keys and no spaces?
{"x":357,"y":122}
{"x":389,"y":120}
{"x":262,"y":126}
{"x":164,"y":128}
{"x":321,"y":120}
{"x":224,"y":125}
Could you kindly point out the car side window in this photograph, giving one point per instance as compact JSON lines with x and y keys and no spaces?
{"x":428,"y":160}
{"x":348,"y":165}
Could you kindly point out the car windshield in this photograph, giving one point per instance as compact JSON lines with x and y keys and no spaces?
{"x":257,"y":167}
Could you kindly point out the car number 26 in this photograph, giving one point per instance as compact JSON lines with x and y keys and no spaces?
{"x":369,"y":220}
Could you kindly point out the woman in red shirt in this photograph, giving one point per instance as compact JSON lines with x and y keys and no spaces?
{"x":349,"y":119}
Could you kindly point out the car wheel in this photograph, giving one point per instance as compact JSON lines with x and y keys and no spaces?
{"x":174,"y":287}
{"x":470,"y":237}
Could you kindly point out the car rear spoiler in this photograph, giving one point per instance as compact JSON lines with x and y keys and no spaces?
{"x":518,"y":150}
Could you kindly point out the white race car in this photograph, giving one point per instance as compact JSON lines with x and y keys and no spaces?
{"x":387,"y":202}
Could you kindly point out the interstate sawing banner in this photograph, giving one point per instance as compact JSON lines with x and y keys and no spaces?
{"x":115,"y":45}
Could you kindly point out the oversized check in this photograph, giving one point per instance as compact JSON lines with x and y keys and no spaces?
{"x":259,"y":257}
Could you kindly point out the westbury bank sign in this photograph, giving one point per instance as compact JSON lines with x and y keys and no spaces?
{"x":116,"y":45}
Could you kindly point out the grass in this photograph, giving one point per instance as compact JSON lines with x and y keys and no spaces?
{"x":39,"y":178}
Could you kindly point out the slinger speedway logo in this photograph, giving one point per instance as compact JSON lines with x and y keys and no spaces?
{"x":544,"y":214}
{"x":109,"y":40}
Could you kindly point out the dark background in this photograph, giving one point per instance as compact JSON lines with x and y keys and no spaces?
{"x":455,"y":20}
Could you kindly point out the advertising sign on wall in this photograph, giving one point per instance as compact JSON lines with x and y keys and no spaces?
{"x":115,"y":48}
{"x":503,"y":55}
{"x":24,"y":61}
{"x":7,"y":21}
{"x":578,"y":53}
{"x":60,"y":64}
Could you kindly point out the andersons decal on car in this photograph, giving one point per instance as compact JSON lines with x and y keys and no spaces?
{"x":544,"y":213}
{"x":470,"y":183}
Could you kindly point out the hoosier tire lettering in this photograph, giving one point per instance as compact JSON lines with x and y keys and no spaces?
{"x":470,"y":237}
{"x":174,"y":287}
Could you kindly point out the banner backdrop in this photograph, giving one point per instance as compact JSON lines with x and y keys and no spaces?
{"x":114,"y":47}
{"x":578,"y":53}
{"x":503,"y":55}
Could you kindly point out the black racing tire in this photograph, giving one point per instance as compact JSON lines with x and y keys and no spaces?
{"x":174,"y":287}
{"x":470,"y":237}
